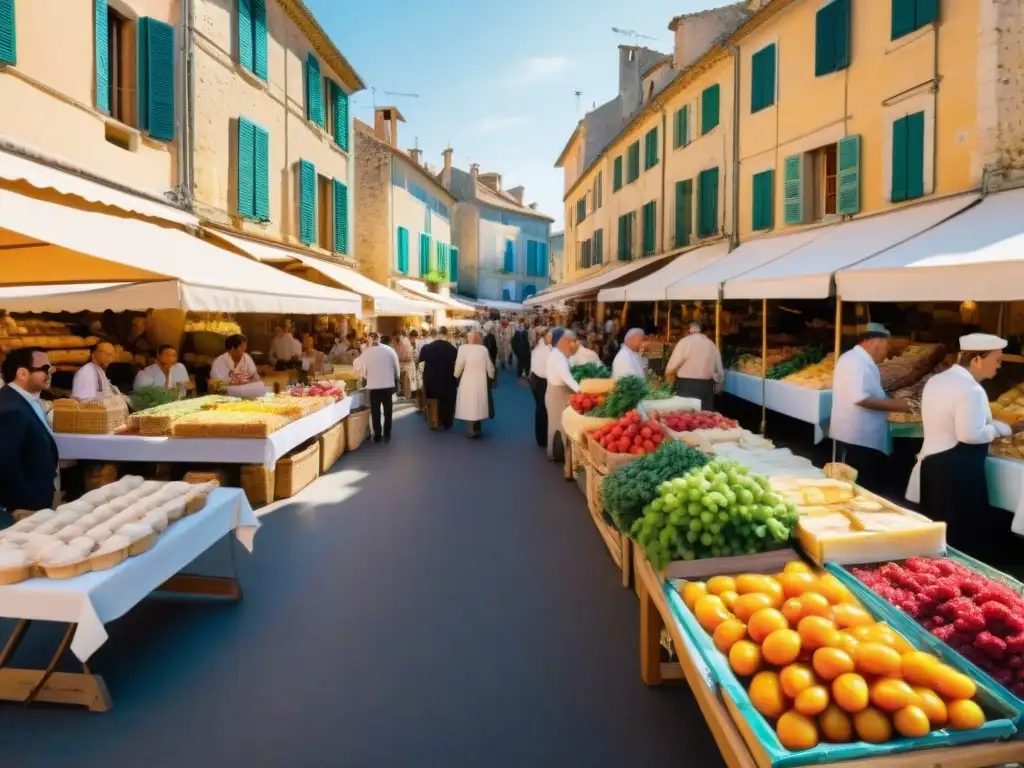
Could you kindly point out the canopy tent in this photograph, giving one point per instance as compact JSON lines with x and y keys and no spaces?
{"x":419,"y":288}
{"x":385,"y":301}
{"x":501,"y":306}
{"x":594,"y":282}
{"x":806,"y":272}
{"x":653,"y":286}
{"x":977,"y":255}
{"x":98,"y":261}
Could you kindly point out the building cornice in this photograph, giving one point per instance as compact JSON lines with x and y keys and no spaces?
{"x":322,"y":44}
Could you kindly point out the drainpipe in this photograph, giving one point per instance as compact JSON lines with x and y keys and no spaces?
{"x":185,"y":140}
{"x":664,"y":163}
{"x":734,"y":236}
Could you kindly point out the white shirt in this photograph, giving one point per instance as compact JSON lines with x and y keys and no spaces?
{"x":558,"y":374}
{"x":696,"y":357}
{"x":225,"y":370}
{"x":338,"y":350}
{"x":33,"y":400}
{"x":379,"y":365}
{"x":954,"y":409}
{"x":539,"y":359}
{"x":856,"y":379}
{"x":154,"y":376}
{"x":627,"y":363}
{"x":584,"y":356}
{"x":91,"y":383}
{"x":284,"y":348}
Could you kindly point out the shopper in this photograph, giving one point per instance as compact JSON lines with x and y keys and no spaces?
{"x":521,"y":349}
{"x":284,"y":349}
{"x":491,"y":342}
{"x":28,"y":453}
{"x":539,"y":385}
{"x":628,"y":361}
{"x":476,"y":373}
{"x":560,"y":386}
{"x":695,"y":366}
{"x":439,"y":382}
{"x":379,"y":366}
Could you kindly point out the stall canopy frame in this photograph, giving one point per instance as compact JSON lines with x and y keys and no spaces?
{"x":595,"y":282}
{"x":653,"y":287}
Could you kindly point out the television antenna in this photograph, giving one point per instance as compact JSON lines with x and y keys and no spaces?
{"x":578,"y":94}
{"x":373,"y":90}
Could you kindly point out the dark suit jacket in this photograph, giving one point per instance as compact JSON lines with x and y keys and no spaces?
{"x":492,"y":347}
{"x":521,"y":344}
{"x":28,"y":455}
{"x":438,"y":358}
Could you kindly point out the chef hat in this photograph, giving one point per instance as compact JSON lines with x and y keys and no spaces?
{"x":981,"y":342}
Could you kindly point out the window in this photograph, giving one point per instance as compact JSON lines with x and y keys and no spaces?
{"x":154,"y":101}
{"x":453,"y":262}
{"x":617,"y":174}
{"x":586,"y":254}
{"x":252,"y":36}
{"x":509,"y":263}
{"x":581,"y":209}
{"x":651,"y":149}
{"x":402,"y":251}
{"x":536,"y":258}
{"x":633,"y":156}
{"x":599,"y":190}
{"x":307,"y":202}
{"x":627,"y":232}
{"x":832,"y":38}
{"x":252,"y":162}
{"x":424,"y":253}
{"x":763,"y":207}
{"x":684,"y":212}
{"x":707,"y":209}
{"x":709,"y":102}
{"x":324,"y":214}
{"x":911,"y":15}
{"x":826,"y":161}
{"x":762,"y":79}
{"x":118,"y":74}
{"x":397,"y":175}
{"x":681,"y":134}
{"x":822,"y":183}
{"x":441,"y":256}
{"x":908,"y":157}
{"x":598,"y":246}
{"x":314,"y":91}
{"x":529,"y":290}
{"x":340,"y":216}
{"x":8,"y":34}
{"x":650,"y":228}
{"x":336,"y":114}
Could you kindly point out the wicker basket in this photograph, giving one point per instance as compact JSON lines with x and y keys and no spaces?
{"x":197,"y":477}
{"x":92,"y":418}
{"x":837,"y":471}
{"x":296,"y":470}
{"x":258,"y":484}
{"x":357,"y":428}
{"x":97,"y":475}
{"x":332,"y":446}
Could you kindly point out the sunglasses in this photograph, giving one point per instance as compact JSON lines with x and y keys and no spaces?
{"x":41,"y":369}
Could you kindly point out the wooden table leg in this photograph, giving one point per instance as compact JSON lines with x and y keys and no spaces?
{"x":650,"y":638}
{"x":205,"y":586}
{"x":627,"y":559}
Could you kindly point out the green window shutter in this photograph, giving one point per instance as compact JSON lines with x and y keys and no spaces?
{"x":340,"y":116}
{"x":245,"y":36}
{"x":598,"y":247}
{"x":307,"y":202}
{"x":764,"y":208}
{"x":915,"y":155}
{"x":245,"y":157}
{"x":259,"y":39}
{"x":424,"y":253}
{"x":623,"y":253}
{"x":509,"y":263}
{"x":904,"y":17}
{"x":402,"y":249}
{"x":102,"y":56}
{"x":684,"y":212}
{"x":651,"y":149}
{"x":155,"y":43}
{"x":617,"y":174}
{"x":314,"y":91}
{"x":542,"y":259}
{"x":633,"y":164}
{"x":453,"y":257}
{"x":927,"y":12}
{"x":679,"y":132}
{"x":650,"y":228}
{"x":762,"y":79}
{"x":841,"y":24}
{"x":142,"y":72}
{"x":261,"y":174}
{"x":707,"y":219}
{"x":848,"y":176}
{"x":899,"y":161}
{"x":793,"y":190}
{"x":832,"y":38}
{"x":340,"y":217}
{"x":8,"y":33}
{"x":709,"y":103}
{"x":531,"y":254}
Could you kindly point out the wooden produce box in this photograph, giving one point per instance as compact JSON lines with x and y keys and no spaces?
{"x":296,"y":470}
{"x":357,"y":428}
{"x":332,"y":446}
{"x":619,"y":545}
{"x":772,"y":561}
{"x":606,"y":461}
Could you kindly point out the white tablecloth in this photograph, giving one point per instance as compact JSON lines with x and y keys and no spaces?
{"x":1006,"y":488}
{"x":206,"y":450}
{"x":93,"y":599}
{"x":808,"y":405}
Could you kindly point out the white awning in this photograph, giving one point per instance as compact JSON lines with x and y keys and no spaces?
{"x":806,"y":273}
{"x":385,"y":301}
{"x":706,"y":284}
{"x":419,"y":288}
{"x":591,"y":283}
{"x":501,"y":306}
{"x":976,"y":255}
{"x":653,"y":286}
{"x":16,"y":168}
{"x":50,"y":251}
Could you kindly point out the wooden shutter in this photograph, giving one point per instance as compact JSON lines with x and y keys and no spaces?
{"x":542,"y":259}
{"x":245,"y":157}
{"x":314,"y":91}
{"x":633,"y":157}
{"x":617,"y":174}
{"x":623,"y":251}
{"x":307,"y":202}
{"x":102,"y":56}
{"x":915,"y":155}
{"x":245,"y":35}
{"x":848,"y":176}
{"x":340,"y":99}
{"x":927,"y":11}
{"x":156,"y":54}
{"x":340,"y":217}
{"x":424,"y":253}
{"x":650,"y":228}
{"x":793,"y":190}
{"x":707,"y":222}
{"x":904,"y":17}
{"x":764,"y":207}
{"x":531,"y":257}
{"x":261,"y":174}
{"x":832,"y":38}
{"x":259,"y":39}
{"x":402,"y":249}
{"x":8,"y":33}
{"x":651,"y":149}
{"x":454,"y":261}
{"x":899,"y":160}
{"x":684,"y":212}
{"x":598,"y":249}
{"x":679,"y":128}
{"x":841,"y":34}
{"x":762,"y":79}
{"x":709,"y":104}
{"x":510,"y":256}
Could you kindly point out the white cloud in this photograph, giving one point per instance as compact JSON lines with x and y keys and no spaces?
{"x":538,"y":68}
{"x":488,"y":125}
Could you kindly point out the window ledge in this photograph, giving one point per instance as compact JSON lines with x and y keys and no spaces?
{"x":252,"y":78}
{"x":119,"y":134}
{"x":908,"y":39}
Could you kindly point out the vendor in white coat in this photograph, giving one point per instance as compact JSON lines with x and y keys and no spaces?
{"x":581,"y":354}
{"x":949,"y":477}
{"x":560,"y":386}
{"x":860,"y":423}
{"x":627,"y":361}
{"x":166,"y":372}
{"x":235,"y":367}
{"x":475,"y":372}
{"x":91,"y":382}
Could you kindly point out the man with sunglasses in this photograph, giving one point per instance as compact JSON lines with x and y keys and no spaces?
{"x":28,"y":453}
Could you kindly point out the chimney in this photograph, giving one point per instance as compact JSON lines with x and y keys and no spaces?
{"x":474,"y":173}
{"x":517,"y":193}
{"x":532,"y":206}
{"x":417,"y":155}
{"x":446,"y":173}
{"x":491,"y":181}
{"x":385,"y":124}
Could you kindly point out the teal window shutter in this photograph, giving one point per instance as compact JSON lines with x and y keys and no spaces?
{"x":651,"y":149}
{"x":402,"y":249}
{"x":650,"y":224}
{"x":246,"y":153}
{"x":625,"y":243}
{"x":898,"y":192}
{"x":340,"y":217}
{"x":908,"y":157}
{"x":340,"y":116}
{"x":542,"y":259}
{"x":617,"y":174}
{"x":102,"y":56}
{"x":684,"y":212}
{"x":709,"y":108}
{"x":633,"y":169}
{"x":681,"y":127}
{"x":848,"y":176}
{"x":8,"y":33}
{"x":762,"y":79}
{"x":910,"y":15}
{"x":707,"y":191}
{"x":832,"y":38}
{"x":424,"y":253}
{"x":531,"y":255}
{"x":598,"y":248}
{"x":259,"y":39}
{"x":307,"y":202}
{"x":246,"y":55}
{"x":927,"y":12}
{"x":314,"y":91}
{"x":156,"y":52}
{"x":763,"y":208}
{"x":841,"y":20}
{"x":261,"y":174}
{"x":453,"y":257}
{"x":510,"y":257}
{"x":793,"y":190}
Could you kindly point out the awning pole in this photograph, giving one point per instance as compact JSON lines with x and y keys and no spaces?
{"x":999,"y":322}
{"x":839,"y":327}
{"x":718,"y":324}
{"x":655,"y":313}
{"x":764,"y":363}
{"x":668,"y":321}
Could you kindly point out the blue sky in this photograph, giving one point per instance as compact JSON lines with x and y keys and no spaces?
{"x":495,"y":80}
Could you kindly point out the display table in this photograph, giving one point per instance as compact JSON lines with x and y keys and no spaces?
{"x":206,"y":450}
{"x":812,"y":406}
{"x":1006,"y":487}
{"x":88,"y":602}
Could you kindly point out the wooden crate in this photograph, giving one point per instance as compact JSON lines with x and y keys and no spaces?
{"x":332,"y":446}
{"x":199,"y":476}
{"x":605,"y":461}
{"x":258,"y":484}
{"x":618,"y":544}
{"x":296,"y":470}
{"x":357,"y":428}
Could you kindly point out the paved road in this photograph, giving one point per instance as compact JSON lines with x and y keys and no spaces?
{"x":435,"y":602}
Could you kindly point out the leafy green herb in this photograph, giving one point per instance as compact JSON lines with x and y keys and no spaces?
{"x":150,"y":397}
{"x":590,"y":371}
{"x":628,"y":392}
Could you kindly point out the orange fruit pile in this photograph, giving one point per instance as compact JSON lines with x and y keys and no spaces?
{"x":820,"y":667}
